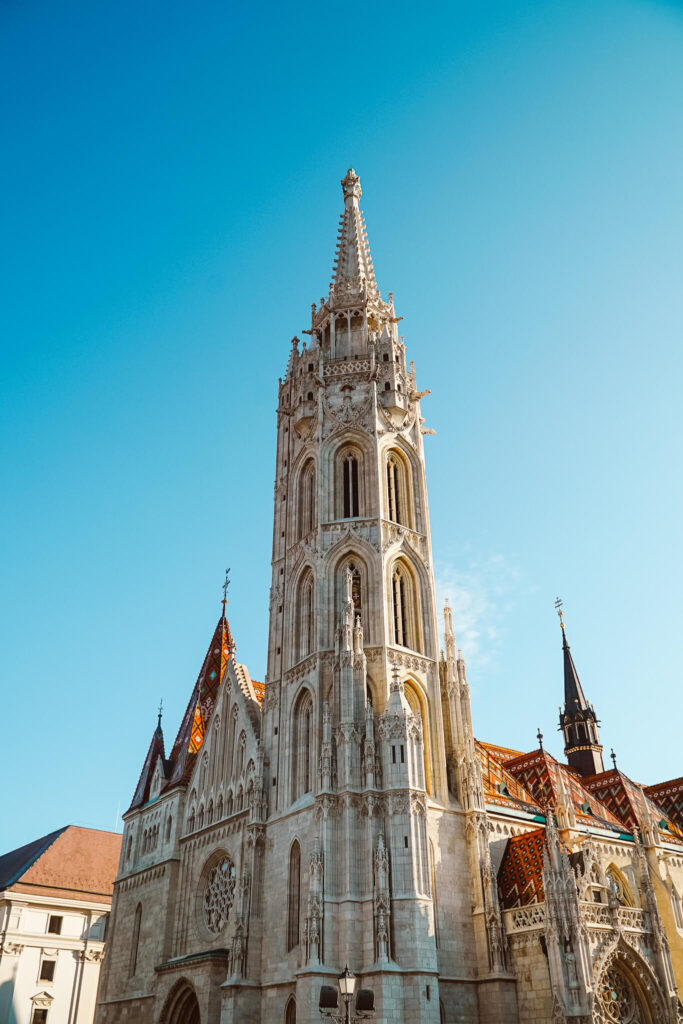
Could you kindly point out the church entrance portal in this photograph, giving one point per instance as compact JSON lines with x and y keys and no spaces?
{"x":183,"y":1008}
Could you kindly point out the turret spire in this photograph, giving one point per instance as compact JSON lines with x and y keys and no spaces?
{"x":353,"y":270}
{"x":578,"y":720}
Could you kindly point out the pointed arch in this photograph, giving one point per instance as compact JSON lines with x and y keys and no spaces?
{"x":302,"y":744}
{"x":293,"y":895}
{"x":290,"y":1011}
{"x":619,"y":886}
{"x":419,"y":705}
{"x":349,"y":488}
{"x":306,"y":499}
{"x":398,"y":489}
{"x":181,"y":1006}
{"x":305,"y":615}
{"x":405,"y":606}
{"x":627,"y":990}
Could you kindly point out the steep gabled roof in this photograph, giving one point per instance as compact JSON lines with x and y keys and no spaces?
{"x":201,"y":704}
{"x":668,"y":796}
{"x":156,"y":751}
{"x":625,"y":799}
{"x":501,"y":754}
{"x":538,"y":771}
{"x":72,"y":862}
{"x":500,"y":786}
{"x":520,"y":875}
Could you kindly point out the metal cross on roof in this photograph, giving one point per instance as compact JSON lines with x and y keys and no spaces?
{"x":539,"y":737}
{"x":225,"y":588}
{"x":614,"y":758}
{"x":161,"y":708}
{"x":558,"y":606}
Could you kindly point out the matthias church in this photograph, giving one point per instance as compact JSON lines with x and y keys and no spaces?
{"x":343,"y":811}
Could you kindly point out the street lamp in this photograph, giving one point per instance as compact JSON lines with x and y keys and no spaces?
{"x":329,"y":1000}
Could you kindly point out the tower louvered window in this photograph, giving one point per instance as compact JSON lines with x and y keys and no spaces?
{"x":307,"y":499}
{"x":350,"y":477}
{"x":306,"y":616}
{"x":394,"y":490}
{"x":404,"y":608}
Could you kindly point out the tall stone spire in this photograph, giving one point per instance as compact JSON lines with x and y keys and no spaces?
{"x":353,"y":270}
{"x":578,"y":720}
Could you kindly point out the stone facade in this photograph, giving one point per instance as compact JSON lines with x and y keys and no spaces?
{"x":340,"y":812}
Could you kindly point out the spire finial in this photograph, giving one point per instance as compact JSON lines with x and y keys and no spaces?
{"x":539,"y":737}
{"x":226,"y":584}
{"x":161,"y":708}
{"x":351,"y":186}
{"x":558,"y":606}
{"x":614,"y":758}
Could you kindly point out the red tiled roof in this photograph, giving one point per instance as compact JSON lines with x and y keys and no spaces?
{"x":501,"y":754}
{"x":74,"y":863}
{"x":520,"y":876}
{"x":668,"y":796}
{"x":623,"y":797}
{"x":500,"y":786}
{"x":538,"y":770}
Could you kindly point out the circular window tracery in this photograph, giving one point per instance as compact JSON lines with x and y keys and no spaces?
{"x":218,"y":895}
{"x":619,"y":1000}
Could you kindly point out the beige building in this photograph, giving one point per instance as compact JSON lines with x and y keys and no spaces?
{"x":55,"y":898}
{"x":343,"y":811}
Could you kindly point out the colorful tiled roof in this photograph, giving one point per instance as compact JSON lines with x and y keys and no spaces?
{"x":201,"y":704}
{"x":259,"y":690}
{"x":624,"y":798}
{"x":520,"y":876}
{"x":500,"y":786}
{"x":73,"y":862}
{"x":501,"y":754}
{"x":668,"y":796}
{"x":538,"y":772}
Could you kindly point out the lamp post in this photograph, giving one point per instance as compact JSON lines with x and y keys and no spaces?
{"x":329,"y":1000}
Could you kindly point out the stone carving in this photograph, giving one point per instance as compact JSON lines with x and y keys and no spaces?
{"x":218,"y":895}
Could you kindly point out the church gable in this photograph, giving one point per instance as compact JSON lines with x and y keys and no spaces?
{"x":225,"y":768}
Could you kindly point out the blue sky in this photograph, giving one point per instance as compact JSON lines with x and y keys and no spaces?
{"x":171,"y":194}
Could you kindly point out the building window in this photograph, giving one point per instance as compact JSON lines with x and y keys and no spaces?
{"x":293,"y":896}
{"x":54,"y":924}
{"x":351,"y":507}
{"x":398,"y":490}
{"x":305,"y":625}
{"x":39,"y":1016}
{"x":47,"y":970}
{"x":302,"y":728}
{"x":307,"y":499}
{"x":135,"y":941}
{"x":290,"y":1012}
{"x":169,"y":823}
{"x":404,"y":607}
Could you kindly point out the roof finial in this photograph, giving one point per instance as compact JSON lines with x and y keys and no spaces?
{"x":226,"y":584}
{"x":161,"y":708}
{"x":558,"y":606}
{"x":351,"y":186}
{"x":614,"y":758}
{"x":539,"y":737}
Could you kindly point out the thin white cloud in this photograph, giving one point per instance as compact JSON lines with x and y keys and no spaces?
{"x":481,"y":592}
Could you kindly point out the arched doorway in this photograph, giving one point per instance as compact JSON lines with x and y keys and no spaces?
{"x":181,"y":1006}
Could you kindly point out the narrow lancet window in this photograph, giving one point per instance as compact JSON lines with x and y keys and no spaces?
{"x":350,"y":471}
{"x":293,"y":896}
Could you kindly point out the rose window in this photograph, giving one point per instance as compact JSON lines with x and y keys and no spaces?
{"x":619,"y":1000}
{"x":218,"y":895}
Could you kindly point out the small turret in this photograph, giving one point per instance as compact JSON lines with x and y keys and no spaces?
{"x":578,"y":720}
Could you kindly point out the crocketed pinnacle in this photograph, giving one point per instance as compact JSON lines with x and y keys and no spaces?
{"x":353,"y":271}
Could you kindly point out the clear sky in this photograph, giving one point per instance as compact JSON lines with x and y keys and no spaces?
{"x":170,"y":184}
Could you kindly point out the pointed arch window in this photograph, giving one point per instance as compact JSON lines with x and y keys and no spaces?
{"x":305,"y":625}
{"x":307,"y":499}
{"x":302,"y":735}
{"x":293,"y":896}
{"x":290,"y":1012}
{"x":351,"y":502}
{"x":404,"y":607}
